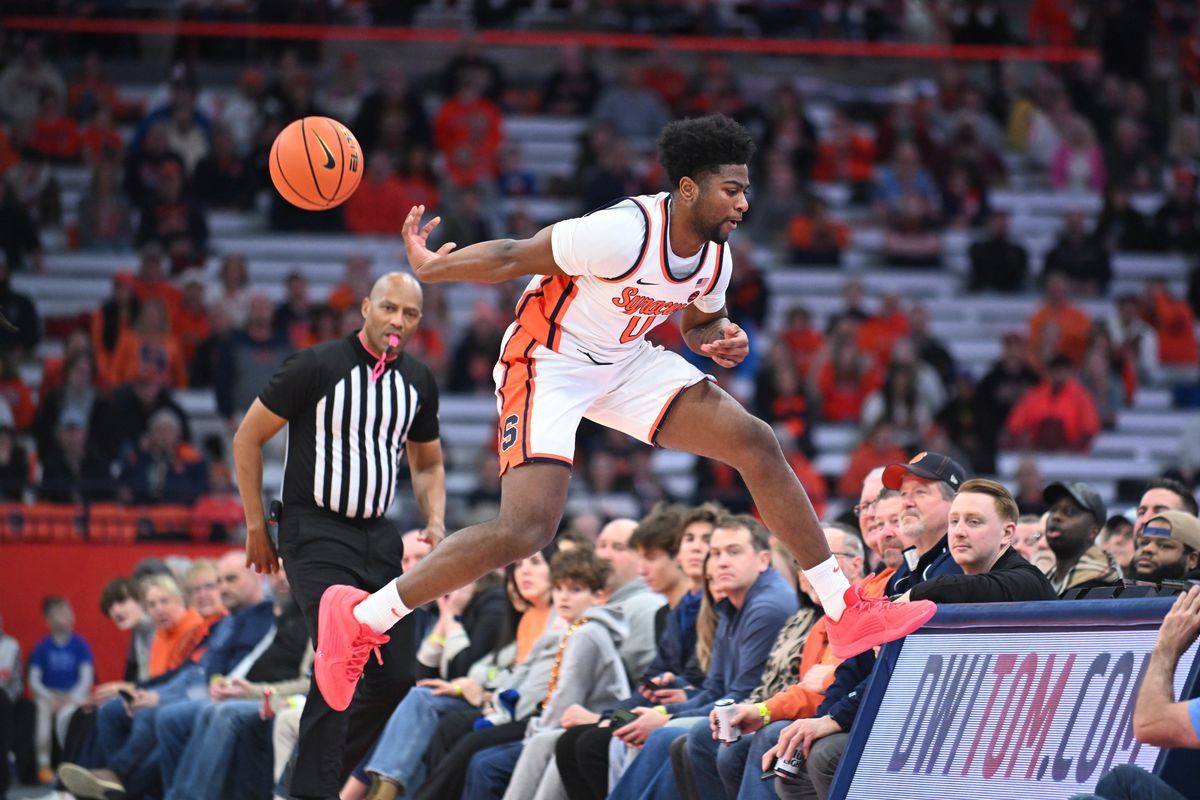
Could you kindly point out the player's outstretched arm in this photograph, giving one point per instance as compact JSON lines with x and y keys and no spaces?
{"x":495,"y":261}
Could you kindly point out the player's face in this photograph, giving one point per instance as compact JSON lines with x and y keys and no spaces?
{"x":722,"y":202}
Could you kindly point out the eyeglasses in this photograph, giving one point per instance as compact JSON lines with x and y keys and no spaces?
{"x":1032,"y":539}
{"x":861,"y":507}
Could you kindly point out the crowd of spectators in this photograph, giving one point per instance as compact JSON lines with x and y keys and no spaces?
{"x":923,"y":164}
{"x":589,"y":669}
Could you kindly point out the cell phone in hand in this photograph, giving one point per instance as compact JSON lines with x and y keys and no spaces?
{"x":622,"y":717}
{"x":649,"y":684}
{"x":127,"y":696}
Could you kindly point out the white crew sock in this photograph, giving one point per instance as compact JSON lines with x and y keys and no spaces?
{"x":831,"y":584}
{"x":381,"y":610}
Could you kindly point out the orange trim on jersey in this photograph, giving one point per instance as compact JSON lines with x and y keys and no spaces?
{"x":717,"y":271}
{"x":653,"y":433}
{"x":517,"y":386}
{"x":540,"y":313}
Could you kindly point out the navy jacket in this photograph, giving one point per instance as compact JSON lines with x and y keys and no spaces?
{"x":676,"y":651}
{"x":743,"y":641}
{"x":933,"y":562}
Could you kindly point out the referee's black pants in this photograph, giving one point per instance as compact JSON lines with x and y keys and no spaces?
{"x":319,"y":549}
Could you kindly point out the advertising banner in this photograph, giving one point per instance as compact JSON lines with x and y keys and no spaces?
{"x":1034,"y":702}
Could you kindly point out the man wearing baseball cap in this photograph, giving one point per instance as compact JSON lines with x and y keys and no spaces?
{"x":1076,"y":515}
{"x":927,"y":484}
{"x":1168,"y":548}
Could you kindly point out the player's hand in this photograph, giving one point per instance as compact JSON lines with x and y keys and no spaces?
{"x":1181,"y":625}
{"x":415,"y":237}
{"x":260,"y":552}
{"x":636,"y":732}
{"x":731,"y":349}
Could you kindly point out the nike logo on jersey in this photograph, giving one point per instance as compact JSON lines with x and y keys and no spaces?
{"x":641,"y":282}
{"x":592,"y":359}
{"x":329,"y":162}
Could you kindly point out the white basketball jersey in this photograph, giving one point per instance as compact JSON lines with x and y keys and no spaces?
{"x":619,"y":284}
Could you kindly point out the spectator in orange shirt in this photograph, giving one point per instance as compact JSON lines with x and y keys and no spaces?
{"x":1057,"y":414}
{"x":467,"y":132}
{"x":417,"y":178}
{"x":844,"y":155}
{"x":804,"y":340}
{"x":878,"y":448}
{"x":374,"y":206}
{"x":1059,"y":328}
{"x":149,"y":346}
{"x":1175,"y":323}
{"x":113,"y":318}
{"x":813,"y":482}
{"x":356,"y":283}
{"x":879,"y":332}
{"x":93,"y":91}
{"x":152,"y":280}
{"x":815,"y":237}
{"x":54,"y":134}
{"x":191,"y":325}
{"x":844,"y":379}
{"x":100,"y":138}
{"x":780,"y":397}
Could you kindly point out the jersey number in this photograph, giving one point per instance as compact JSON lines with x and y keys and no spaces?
{"x":509,"y":436}
{"x":637,"y":328}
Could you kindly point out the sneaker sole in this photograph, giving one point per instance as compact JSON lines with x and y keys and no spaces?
{"x":83,"y":784}
{"x":862,"y":644}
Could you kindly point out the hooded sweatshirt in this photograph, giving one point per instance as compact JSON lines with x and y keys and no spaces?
{"x":591,"y":673}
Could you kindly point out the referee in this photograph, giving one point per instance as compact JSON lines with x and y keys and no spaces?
{"x":352,"y":407}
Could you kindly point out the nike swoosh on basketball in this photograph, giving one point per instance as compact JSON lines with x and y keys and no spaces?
{"x":329,"y":162}
{"x":641,"y":282}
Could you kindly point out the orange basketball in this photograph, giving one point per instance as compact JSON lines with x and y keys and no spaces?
{"x":316,"y":163}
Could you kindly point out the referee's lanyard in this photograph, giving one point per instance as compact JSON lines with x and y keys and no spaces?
{"x":381,"y":364}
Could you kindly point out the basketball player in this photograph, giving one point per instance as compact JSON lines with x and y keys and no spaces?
{"x":578,"y":348}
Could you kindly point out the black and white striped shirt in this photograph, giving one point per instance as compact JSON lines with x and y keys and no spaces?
{"x":346,"y":433}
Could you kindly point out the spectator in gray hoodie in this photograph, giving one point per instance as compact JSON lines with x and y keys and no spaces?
{"x":629,"y":594}
{"x":589,"y":673}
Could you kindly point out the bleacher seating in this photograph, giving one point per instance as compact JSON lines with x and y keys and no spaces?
{"x":1139,"y":446}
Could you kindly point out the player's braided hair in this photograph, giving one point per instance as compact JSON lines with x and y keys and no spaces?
{"x":693,"y":147}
